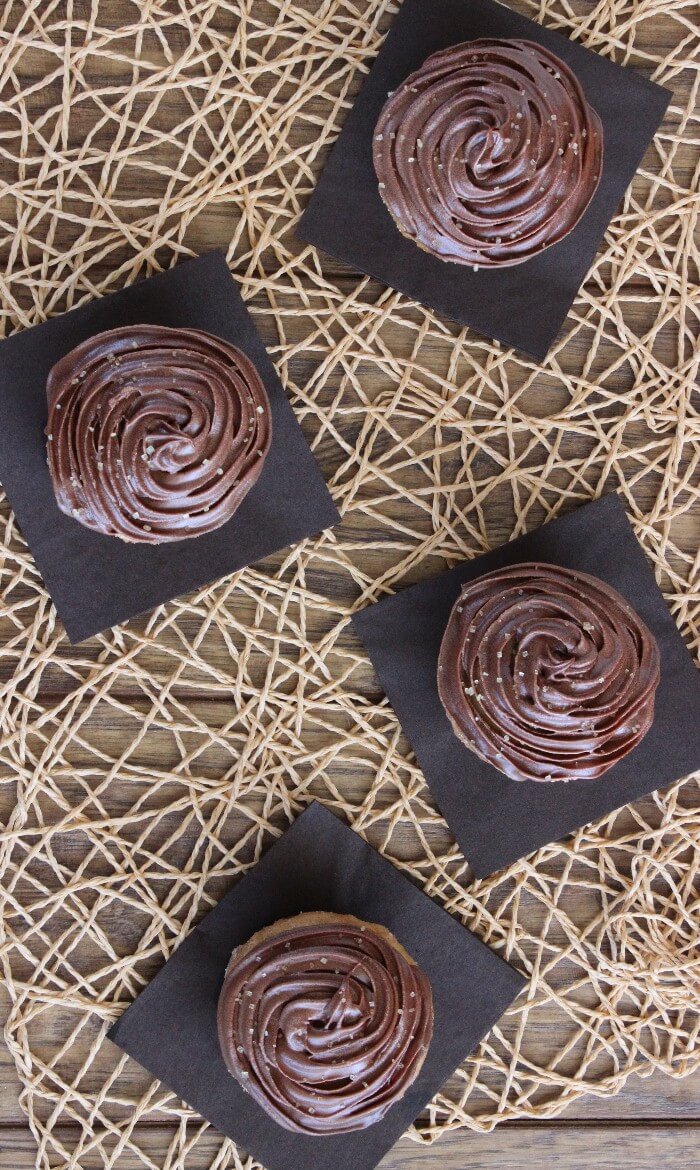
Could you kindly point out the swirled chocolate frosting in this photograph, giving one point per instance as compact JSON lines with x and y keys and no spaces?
{"x":547,"y":674}
{"x":488,"y":153}
{"x":155,"y":434}
{"x":325,"y":1020}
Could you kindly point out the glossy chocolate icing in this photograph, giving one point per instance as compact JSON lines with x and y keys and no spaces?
{"x":547,"y":674}
{"x":488,"y":153}
{"x":325,"y":1020}
{"x":155,"y":434}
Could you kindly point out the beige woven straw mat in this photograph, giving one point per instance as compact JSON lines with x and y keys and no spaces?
{"x":146,"y":769}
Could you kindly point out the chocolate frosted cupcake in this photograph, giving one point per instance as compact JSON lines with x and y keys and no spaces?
{"x":155,"y":434}
{"x":325,"y":1020}
{"x":547,"y":674}
{"x":488,"y":153}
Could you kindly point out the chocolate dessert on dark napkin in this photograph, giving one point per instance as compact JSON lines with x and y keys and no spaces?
{"x":155,"y":434}
{"x":97,"y":581}
{"x":497,"y":820}
{"x":523,"y":306}
{"x":325,"y":1020}
{"x":547,"y":674}
{"x":488,"y":153}
{"x":318,"y":864}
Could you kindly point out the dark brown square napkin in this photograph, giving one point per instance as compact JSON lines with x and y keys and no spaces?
{"x":318,"y":864}
{"x":99,"y":581}
{"x":523,"y":306}
{"x":497,"y":820}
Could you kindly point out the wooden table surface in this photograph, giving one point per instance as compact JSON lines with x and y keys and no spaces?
{"x":653,"y":1125}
